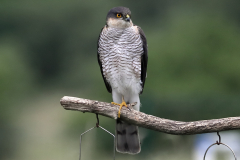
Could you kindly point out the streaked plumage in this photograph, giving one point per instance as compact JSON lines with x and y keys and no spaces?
{"x":122,"y":56}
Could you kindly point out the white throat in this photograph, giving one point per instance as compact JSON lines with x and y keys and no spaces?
{"x":119,"y":23}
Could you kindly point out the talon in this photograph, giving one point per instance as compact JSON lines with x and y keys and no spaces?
{"x":121,"y":105}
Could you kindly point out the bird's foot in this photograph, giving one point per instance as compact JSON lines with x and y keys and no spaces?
{"x":121,"y":105}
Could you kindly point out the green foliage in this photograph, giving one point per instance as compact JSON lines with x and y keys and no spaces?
{"x":195,"y":54}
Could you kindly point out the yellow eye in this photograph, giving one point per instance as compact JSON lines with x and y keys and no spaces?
{"x":119,"y":15}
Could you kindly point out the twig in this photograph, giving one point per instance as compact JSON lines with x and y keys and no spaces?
{"x":148,"y":121}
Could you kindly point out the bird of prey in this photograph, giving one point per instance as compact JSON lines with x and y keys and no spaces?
{"x":123,"y":57}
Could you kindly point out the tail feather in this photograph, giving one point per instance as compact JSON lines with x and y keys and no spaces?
{"x":127,"y":138}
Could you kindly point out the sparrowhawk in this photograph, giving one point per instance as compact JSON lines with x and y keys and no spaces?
{"x":123,"y":57}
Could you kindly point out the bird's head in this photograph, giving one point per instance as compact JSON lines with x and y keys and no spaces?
{"x":119,"y":17}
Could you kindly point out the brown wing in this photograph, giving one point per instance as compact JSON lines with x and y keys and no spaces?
{"x":108,"y":86}
{"x":144,"y":58}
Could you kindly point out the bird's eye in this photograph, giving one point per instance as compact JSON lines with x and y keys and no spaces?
{"x":119,"y":15}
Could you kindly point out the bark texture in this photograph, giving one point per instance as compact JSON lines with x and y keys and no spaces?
{"x":148,"y":121}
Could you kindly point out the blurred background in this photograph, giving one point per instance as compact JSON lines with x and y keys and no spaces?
{"x":48,"y":49}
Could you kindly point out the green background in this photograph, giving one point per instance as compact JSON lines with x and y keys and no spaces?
{"x":48,"y":49}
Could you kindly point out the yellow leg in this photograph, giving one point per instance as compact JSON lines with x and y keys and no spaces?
{"x":121,"y":105}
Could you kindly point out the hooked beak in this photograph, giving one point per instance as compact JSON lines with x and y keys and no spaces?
{"x":127,"y":18}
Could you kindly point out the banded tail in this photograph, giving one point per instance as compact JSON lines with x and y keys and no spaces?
{"x":127,"y":138}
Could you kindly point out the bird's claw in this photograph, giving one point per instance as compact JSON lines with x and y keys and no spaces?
{"x":121,"y":105}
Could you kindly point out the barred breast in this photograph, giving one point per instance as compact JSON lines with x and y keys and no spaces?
{"x":120,"y":52}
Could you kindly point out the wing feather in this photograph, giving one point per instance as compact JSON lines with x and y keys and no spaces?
{"x":144,"y":58}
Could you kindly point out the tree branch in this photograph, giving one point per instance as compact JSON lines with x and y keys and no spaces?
{"x":148,"y":121}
